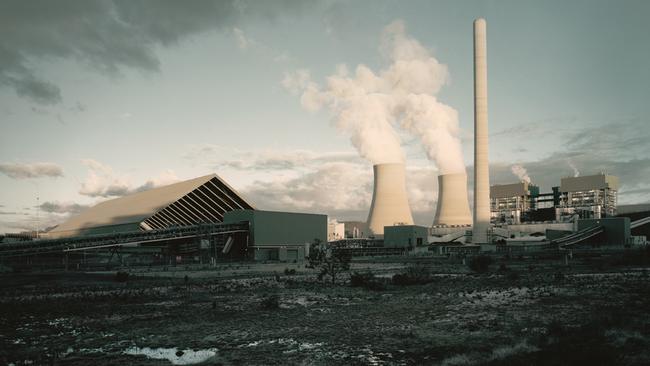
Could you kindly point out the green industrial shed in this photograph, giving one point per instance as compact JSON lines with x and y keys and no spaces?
{"x":280,"y":236}
{"x":405,"y":236}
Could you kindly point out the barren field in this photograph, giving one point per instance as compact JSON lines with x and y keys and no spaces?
{"x":519,"y":316}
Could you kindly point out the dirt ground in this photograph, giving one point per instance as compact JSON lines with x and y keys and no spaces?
{"x":524,"y":315}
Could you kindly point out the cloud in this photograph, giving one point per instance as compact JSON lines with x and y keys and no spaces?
{"x":369,"y":105}
{"x":12,"y":213}
{"x":219,"y":157}
{"x":342,"y":190}
{"x":31,"y":170}
{"x":619,"y":148}
{"x":243,"y":42}
{"x":50,"y":213}
{"x":63,"y":208}
{"x":107,"y":35}
{"x":103,"y":181}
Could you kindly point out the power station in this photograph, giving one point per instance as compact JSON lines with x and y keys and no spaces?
{"x":206,"y":217}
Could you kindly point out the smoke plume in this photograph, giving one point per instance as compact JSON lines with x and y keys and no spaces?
{"x":520,"y":172}
{"x":369,"y":105}
{"x":576,"y":172}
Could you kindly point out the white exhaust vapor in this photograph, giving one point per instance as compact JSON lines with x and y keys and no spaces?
{"x":368,"y":106}
{"x":521,"y":173}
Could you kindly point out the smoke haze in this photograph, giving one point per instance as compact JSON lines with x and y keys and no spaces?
{"x":369,"y":106}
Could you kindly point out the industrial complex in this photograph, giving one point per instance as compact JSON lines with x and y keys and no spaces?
{"x":206,"y":220}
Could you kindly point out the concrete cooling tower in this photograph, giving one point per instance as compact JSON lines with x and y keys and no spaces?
{"x":453,"y":205}
{"x":390,"y":206}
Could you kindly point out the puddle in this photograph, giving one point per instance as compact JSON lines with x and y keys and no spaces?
{"x":173,"y":355}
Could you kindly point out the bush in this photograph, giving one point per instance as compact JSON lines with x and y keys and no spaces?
{"x":289,"y":272}
{"x":270,"y":302}
{"x":413,"y":275}
{"x":512,"y":276}
{"x":366,"y":280}
{"x":121,"y":276}
{"x":480,"y":263}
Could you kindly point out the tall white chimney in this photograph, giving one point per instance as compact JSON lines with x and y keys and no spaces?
{"x":481,"y":223}
{"x":390,"y":205}
{"x":453,"y":206}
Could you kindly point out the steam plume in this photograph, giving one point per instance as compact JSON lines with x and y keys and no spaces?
{"x":368,"y":105}
{"x":520,"y":172}
{"x":576,"y":172}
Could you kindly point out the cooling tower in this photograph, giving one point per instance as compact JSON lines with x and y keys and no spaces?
{"x":481,"y":223}
{"x":390,"y":206}
{"x":453,"y":206}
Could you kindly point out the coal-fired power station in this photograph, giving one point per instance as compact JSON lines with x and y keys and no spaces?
{"x":453,"y":206}
{"x":481,"y":223}
{"x":390,"y":205}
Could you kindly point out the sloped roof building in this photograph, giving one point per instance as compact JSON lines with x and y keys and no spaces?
{"x":200,"y":200}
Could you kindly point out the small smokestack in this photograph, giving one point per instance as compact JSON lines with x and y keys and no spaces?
{"x":390,"y":204}
{"x":453,"y":206}
{"x":481,"y":223}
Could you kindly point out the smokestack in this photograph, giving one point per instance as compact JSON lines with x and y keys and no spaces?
{"x":390,"y":205}
{"x":481,"y":169}
{"x":453,"y":206}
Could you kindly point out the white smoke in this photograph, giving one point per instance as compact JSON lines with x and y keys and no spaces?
{"x":576,"y":172}
{"x":368,"y":105}
{"x":520,"y":172}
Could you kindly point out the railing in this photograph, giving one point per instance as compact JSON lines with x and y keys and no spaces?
{"x":579,"y":236}
{"x":640,"y":222}
{"x":117,"y":239}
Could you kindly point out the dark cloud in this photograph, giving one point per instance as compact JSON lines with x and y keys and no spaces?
{"x":107,"y":35}
{"x":62,"y":208}
{"x":619,"y":148}
{"x":11,"y":213}
{"x":33,"y":170}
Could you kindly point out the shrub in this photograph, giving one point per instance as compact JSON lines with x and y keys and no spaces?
{"x":513,"y":276}
{"x":480,"y":263}
{"x":289,"y":272}
{"x":121,"y":276}
{"x":270,"y":302}
{"x":413,"y":275}
{"x":366,"y":280}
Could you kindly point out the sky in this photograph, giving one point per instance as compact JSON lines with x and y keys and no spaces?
{"x":292,"y":102}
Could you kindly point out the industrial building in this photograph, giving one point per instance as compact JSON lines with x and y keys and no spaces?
{"x":510,"y":203}
{"x":282,"y":236}
{"x":593,"y":196}
{"x":586,"y":197}
{"x":335,"y":230}
{"x":409,"y":236}
{"x":190,"y":219}
{"x":200,"y":200}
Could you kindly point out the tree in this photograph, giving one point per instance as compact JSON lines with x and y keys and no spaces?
{"x":329,"y":261}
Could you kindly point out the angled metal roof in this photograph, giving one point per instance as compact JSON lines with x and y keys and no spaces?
{"x":198,"y":200}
